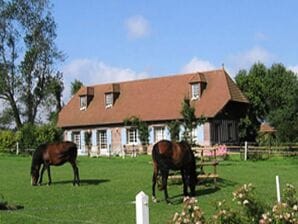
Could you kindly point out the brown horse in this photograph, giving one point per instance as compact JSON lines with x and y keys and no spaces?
{"x":167,"y":156}
{"x":53,"y":154}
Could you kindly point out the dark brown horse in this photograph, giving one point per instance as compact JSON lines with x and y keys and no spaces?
{"x":54,"y":154}
{"x":167,"y":156}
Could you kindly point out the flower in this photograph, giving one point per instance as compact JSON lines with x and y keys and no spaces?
{"x":245,"y":202}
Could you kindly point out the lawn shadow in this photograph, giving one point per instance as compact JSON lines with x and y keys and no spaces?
{"x":10,"y":207}
{"x":83,"y":182}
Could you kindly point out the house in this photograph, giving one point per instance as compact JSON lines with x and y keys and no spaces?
{"x":100,"y":110}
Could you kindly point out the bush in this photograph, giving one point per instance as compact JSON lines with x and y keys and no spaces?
{"x":191,"y":213}
{"x":31,"y":136}
{"x":249,"y":210}
{"x":26,"y":137}
{"x":7,"y":141}
{"x":48,"y":133}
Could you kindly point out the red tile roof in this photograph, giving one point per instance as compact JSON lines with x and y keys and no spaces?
{"x":154,"y":99}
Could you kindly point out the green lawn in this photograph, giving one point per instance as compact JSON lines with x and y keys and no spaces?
{"x":109,"y":185}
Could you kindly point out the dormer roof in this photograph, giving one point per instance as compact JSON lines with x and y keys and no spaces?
{"x":197,"y":77}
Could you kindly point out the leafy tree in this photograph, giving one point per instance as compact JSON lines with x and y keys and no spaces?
{"x":75,"y":86}
{"x":190,"y":121}
{"x":252,"y":85}
{"x":273,"y":96}
{"x":174,"y":129}
{"x":27,"y":57}
{"x":142,"y":127}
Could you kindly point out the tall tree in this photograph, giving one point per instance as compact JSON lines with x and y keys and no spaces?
{"x":27,"y":58}
{"x":252,"y":85}
{"x":190,"y":121}
{"x":273,"y":94}
{"x":75,"y":86}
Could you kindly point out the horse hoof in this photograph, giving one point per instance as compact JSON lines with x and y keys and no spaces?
{"x":169,"y":203}
{"x":154,"y":200}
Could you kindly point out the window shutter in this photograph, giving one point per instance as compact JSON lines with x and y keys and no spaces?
{"x":123,"y":136}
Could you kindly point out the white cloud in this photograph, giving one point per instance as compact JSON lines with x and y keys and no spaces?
{"x":245,"y":60}
{"x":91,"y":72}
{"x":137,"y":27}
{"x":196,"y":64}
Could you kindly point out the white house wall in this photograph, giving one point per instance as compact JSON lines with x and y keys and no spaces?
{"x":116,"y":146}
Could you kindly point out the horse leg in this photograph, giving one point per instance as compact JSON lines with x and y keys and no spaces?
{"x":154,"y":179}
{"x":185,"y":183}
{"x":165,"y":175}
{"x":41,"y":174}
{"x":192,"y":184}
{"x":49,"y":175}
{"x":76,"y":178}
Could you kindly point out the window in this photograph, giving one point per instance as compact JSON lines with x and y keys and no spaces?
{"x":194,"y":135}
{"x":83,"y":102}
{"x":76,"y":138}
{"x":109,"y":100}
{"x":101,"y":139}
{"x":132,"y":137}
{"x":159,"y":133}
{"x":195,"y":91}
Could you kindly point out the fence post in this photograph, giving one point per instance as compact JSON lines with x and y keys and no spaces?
{"x":245,"y":150}
{"x":142,"y":208}
{"x":277,"y":189}
{"x":18,"y":150}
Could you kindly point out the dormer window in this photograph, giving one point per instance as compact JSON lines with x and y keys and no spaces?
{"x":109,"y":100}
{"x":83,"y":102}
{"x":111,"y":95}
{"x":197,"y":85}
{"x":195,"y":91}
{"x":86,"y":95}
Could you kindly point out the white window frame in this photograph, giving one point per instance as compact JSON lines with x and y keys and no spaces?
{"x":102,"y":139}
{"x":83,"y":102}
{"x":194,"y":135}
{"x":109,"y":100}
{"x":76,"y":138}
{"x":132,"y":136}
{"x":159,"y":133}
{"x":195,"y":91}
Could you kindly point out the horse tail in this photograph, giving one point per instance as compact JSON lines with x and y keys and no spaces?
{"x":155,"y":152}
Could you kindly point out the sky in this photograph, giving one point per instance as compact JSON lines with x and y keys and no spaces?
{"x":110,"y":41}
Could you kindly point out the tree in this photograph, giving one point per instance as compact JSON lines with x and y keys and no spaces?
{"x":142,"y":127}
{"x":273,"y":96}
{"x":174,"y":129}
{"x":252,"y":85}
{"x":190,"y":121}
{"x":75,"y":86}
{"x":27,"y":57}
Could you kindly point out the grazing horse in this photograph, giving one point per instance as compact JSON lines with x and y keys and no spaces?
{"x":167,"y":156}
{"x":53,"y":154}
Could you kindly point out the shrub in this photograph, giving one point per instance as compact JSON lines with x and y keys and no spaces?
{"x":191,"y":213}
{"x":7,"y":141}
{"x":27,"y":137}
{"x":248,"y":210}
{"x":31,"y":136}
{"x":48,"y":133}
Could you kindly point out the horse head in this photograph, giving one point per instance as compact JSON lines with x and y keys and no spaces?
{"x":35,"y":165}
{"x":34,"y":174}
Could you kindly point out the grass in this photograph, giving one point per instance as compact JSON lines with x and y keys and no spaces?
{"x":109,"y":185}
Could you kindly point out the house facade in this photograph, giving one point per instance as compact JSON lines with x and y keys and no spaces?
{"x":94,"y":117}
